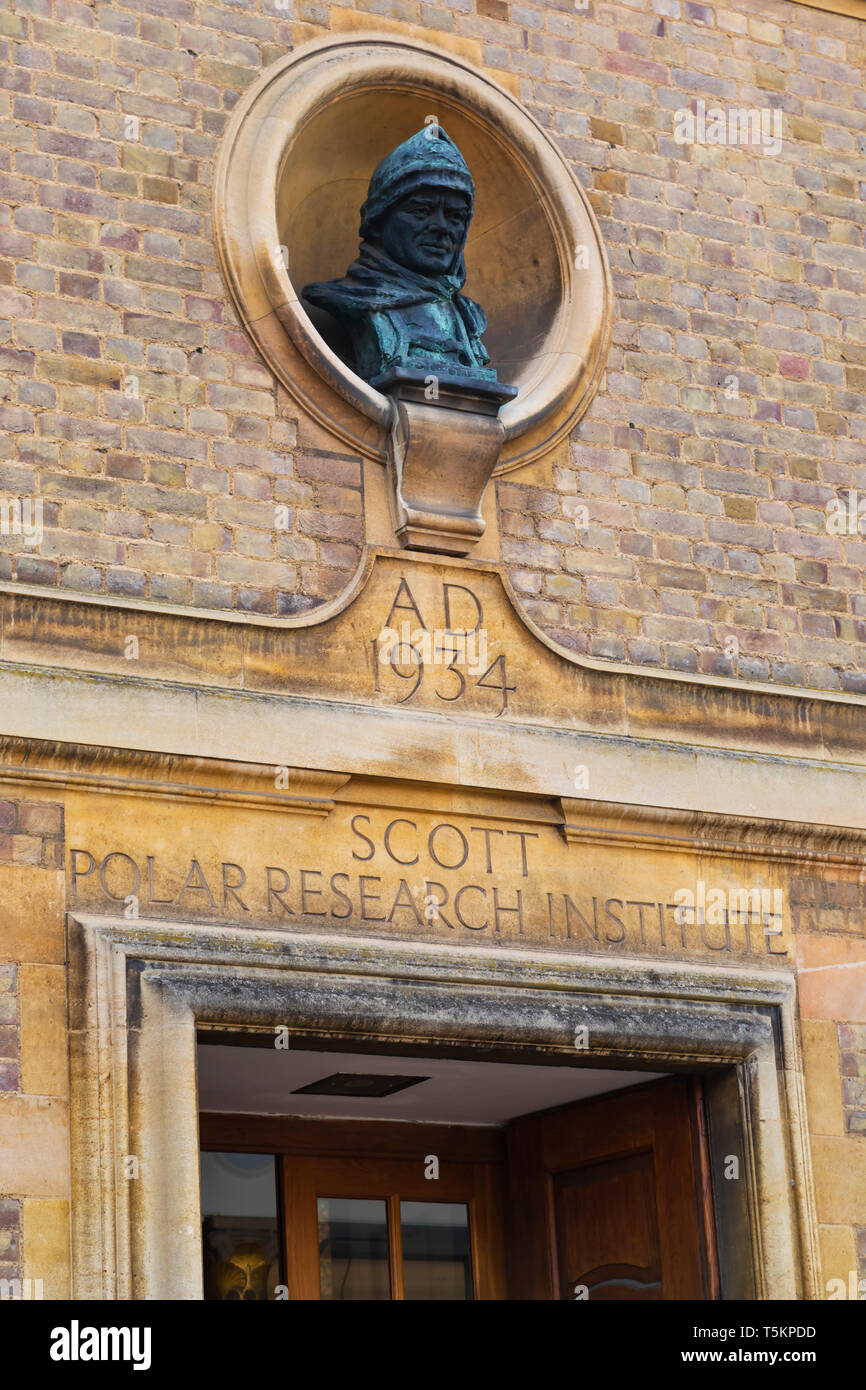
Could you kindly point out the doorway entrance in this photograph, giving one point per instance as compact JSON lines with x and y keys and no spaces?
{"x":606,"y":1197}
{"x":152,"y":998}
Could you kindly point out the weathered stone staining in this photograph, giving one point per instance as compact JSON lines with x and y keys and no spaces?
{"x":454,"y":807}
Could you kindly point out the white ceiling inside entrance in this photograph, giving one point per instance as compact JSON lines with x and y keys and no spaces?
{"x":260,"y":1081}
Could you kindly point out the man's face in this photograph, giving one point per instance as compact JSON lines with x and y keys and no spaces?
{"x":425,"y":229}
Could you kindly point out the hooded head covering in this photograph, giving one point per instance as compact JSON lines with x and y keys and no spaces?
{"x":428,"y":159}
{"x":375,"y":285}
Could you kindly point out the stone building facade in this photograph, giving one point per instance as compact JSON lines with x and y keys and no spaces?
{"x":731,"y":416}
{"x":186,"y":554}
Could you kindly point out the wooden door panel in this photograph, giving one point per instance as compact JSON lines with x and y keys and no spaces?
{"x":607,"y":1229}
{"x":604,"y":1193}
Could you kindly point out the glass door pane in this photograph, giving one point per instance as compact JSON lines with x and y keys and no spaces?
{"x":240,"y":1233}
{"x":436,"y":1255}
{"x":353,"y":1248}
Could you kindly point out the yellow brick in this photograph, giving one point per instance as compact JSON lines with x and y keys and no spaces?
{"x":34,"y":1159}
{"x":159,"y":190}
{"x":838,"y":1253}
{"x":822,"y":1077}
{"x":32,"y":903}
{"x":840,"y":1180}
{"x":770,"y":77}
{"x":764,"y":32}
{"x":79,"y":369}
{"x":42,"y":1002}
{"x":803,"y":129}
{"x":45,"y":1244}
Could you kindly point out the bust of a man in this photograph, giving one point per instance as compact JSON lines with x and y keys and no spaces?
{"x":400,"y":300}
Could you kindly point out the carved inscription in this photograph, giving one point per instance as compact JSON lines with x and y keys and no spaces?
{"x":452,"y":656}
{"x":416,"y":874}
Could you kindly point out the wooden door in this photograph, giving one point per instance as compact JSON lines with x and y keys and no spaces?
{"x":606,"y":1199}
{"x":389,"y":1184}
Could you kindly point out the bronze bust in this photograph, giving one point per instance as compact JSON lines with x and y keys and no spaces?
{"x":400,"y":300}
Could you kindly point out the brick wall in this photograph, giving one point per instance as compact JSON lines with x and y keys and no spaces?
{"x":10,"y":1207}
{"x":9,"y":1040}
{"x":852,"y":1045}
{"x":828,"y":917}
{"x":734,"y":406}
{"x":10,"y":1237}
{"x":819,"y":903}
{"x":828,"y":913}
{"x":31,"y":832}
{"x":735,"y":401}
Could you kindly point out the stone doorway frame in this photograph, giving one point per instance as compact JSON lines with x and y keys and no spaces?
{"x":140,"y":991}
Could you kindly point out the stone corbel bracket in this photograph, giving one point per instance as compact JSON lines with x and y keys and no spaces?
{"x":445,"y":443}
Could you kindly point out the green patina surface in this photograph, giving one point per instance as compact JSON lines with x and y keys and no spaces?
{"x":400,"y":300}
